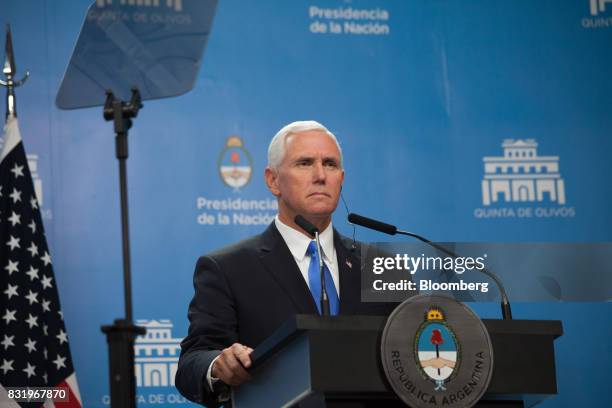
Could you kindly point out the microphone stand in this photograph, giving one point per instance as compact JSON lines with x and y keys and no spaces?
{"x":121,"y":335}
{"x":324,"y":297}
{"x":314,"y":232}
{"x":505,"y":303}
{"x":392,"y":230}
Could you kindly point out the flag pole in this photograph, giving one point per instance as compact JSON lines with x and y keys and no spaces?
{"x":9,"y":71}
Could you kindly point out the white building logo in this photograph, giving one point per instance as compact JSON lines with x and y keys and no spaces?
{"x":599,"y":15}
{"x":522,"y":176}
{"x":38,"y":189}
{"x":598,"y":6}
{"x":176,"y":4}
{"x":156,"y":354}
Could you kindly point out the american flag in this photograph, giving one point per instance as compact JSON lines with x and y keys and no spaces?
{"x":34,"y":348}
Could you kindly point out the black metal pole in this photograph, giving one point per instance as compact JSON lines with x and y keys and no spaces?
{"x":121,"y":335}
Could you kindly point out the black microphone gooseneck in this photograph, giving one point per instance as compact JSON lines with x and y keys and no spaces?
{"x":314,"y":232}
{"x":392,"y":230}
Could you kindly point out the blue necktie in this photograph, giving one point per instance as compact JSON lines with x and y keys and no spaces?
{"x":314,"y":280}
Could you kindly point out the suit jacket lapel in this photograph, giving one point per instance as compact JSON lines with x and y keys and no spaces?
{"x":279,"y":261}
{"x":350,"y":278}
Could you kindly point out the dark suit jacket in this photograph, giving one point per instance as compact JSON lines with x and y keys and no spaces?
{"x":244,"y":292}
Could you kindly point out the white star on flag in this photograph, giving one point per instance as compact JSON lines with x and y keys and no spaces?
{"x":34,"y":203}
{"x":32,"y":226}
{"x":17,"y":170}
{"x":32,"y":320}
{"x":30,"y":370}
{"x":14,"y":218}
{"x":11,"y":291}
{"x":46,"y":258}
{"x":9,"y":316}
{"x":7,"y":366}
{"x":45,"y":305}
{"x":32,"y":297}
{"x":15,"y":195}
{"x":33,"y":249}
{"x":62,"y":337}
{"x":46,"y":282}
{"x":12,"y":267}
{"x":14,"y":243}
{"x":30,"y":345}
{"x":8,"y":341}
{"x":32,"y":273}
{"x":59,"y":361}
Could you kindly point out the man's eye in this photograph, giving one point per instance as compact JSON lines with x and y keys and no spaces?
{"x":303,"y":163}
{"x":330,"y":163}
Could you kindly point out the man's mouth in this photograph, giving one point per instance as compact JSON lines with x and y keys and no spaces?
{"x":318,"y":194}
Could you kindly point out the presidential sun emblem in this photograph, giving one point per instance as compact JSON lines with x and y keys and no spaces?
{"x":235,"y":164}
{"x":437,"y":350}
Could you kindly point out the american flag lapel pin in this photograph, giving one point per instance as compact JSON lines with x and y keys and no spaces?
{"x":349,"y":264}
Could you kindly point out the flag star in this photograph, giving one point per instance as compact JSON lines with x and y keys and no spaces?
{"x":61,"y":314}
{"x":34,"y":203}
{"x":14,"y":218}
{"x":17,"y":170}
{"x":29,"y":370}
{"x":12,"y":267}
{"x":45,"y":327}
{"x":33,"y":249}
{"x":60,"y":362}
{"x":32,"y":273}
{"x":11,"y":291}
{"x":46,"y":282}
{"x":32,"y":226}
{"x":45,"y":353}
{"x":46,"y":258}
{"x":32,"y":297}
{"x":8,"y":341}
{"x":15,"y":195}
{"x":9,"y":315}
{"x":62,"y":337}
{"x":45,"y":305}
{"x":32,"y":320}
{"x":45,"y":377}
{"x":7,"y":366}
{"x":30,"y":345}
{"x":14,"y":243}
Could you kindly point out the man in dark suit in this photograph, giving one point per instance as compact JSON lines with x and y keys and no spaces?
{"x":245,"y":291}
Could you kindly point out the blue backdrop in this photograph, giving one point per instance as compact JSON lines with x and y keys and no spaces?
{"x":422,"y":94}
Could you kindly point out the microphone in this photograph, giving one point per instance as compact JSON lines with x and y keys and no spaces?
{"x":372,"y":224}
{"x":392,"y":230}
{"x":314,"y":232}
{"x":304,"y":224}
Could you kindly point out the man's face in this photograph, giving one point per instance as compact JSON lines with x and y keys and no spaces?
{"x":308,"y":180}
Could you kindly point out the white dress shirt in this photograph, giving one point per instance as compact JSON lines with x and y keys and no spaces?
{"x":298,"y":244}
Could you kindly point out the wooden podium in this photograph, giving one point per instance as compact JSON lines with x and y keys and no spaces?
{"x":313,"y":361}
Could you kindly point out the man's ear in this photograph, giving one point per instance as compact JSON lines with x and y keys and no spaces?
{"x":271,"y":177}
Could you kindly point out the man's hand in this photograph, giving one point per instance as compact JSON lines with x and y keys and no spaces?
{"x":232,"y":363}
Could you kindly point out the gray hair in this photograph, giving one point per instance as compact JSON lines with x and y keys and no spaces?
{"x":276,"y":150}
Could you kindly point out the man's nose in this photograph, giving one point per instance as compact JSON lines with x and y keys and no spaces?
{"x":319,"y":172}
